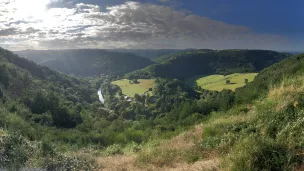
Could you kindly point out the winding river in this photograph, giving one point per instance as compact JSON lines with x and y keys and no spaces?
{"x":101,"y":98}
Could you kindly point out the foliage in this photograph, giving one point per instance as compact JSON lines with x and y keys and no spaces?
{"x":256,"y":153}
{"x":152,"y":54}
{"x":48,"y":116}
{"x":206,"y":62}
{"x":14,"y":152}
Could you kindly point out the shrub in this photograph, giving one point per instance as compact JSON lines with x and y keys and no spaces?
{"x":112,"y":150}
{"x":13,"y":152}
{"x":193,"y":154}
{"x":256,"y":153}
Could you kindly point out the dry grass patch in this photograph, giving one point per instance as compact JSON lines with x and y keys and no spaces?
{"x":118,"y":163}
{"x":167,"y":155}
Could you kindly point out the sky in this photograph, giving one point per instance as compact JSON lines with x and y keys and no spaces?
{"x":152,"y":24}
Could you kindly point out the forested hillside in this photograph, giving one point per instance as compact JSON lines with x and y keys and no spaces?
{"x":41,"y":106}
{"x":54,"y":121}
{"x":38,"y":108}
{"x":87,"y":62}
{"x":207,"y":62}
{"x":153,"y":54}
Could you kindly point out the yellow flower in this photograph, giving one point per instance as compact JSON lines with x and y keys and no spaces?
{"x":295,"y":104}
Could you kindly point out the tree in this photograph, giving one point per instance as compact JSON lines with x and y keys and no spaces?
{"x":27,"y":78}
{"x":135,"y":81}
{"x":147,"y":99}
{"x":1,"y":93}
{"x":228,"y":82}
{"x":246,"y":81}
{"x":4,"y":75}
{"x":137,"y":97}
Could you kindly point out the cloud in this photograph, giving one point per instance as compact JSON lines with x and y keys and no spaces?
{"x":128,"y":25}
{"x":165,"y":1}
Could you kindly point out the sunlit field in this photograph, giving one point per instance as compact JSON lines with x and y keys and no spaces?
{"x":130,"y":89}
{"x":218,"y":82}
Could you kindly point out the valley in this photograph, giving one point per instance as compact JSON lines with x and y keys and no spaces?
{"x":151,"y":85}
{"x":87,"y":62}
{"x":203,"y":119}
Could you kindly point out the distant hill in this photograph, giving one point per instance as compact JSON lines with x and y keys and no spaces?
{"x":207,"y":62}
{"x":152,"y":54}
{"x":87,"y":62}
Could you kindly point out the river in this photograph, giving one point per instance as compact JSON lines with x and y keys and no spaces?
{"x":101,"y":98}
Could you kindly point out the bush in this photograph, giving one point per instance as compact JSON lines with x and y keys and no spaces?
{"x":112,"y":150}
{"x":255,"y":153}
{"x":13,"y":152}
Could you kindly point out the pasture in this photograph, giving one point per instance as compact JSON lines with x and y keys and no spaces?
{"x":218,"y":82}
{"x":130,"y":89}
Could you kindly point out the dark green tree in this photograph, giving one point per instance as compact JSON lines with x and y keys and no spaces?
{"x":4,"y":75}
{"x":137,"y":97}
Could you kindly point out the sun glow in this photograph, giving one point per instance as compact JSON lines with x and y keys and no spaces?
{"x":29,"y":8}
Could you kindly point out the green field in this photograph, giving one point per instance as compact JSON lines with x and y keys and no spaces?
{"x":130,"y":89}
{"x":218,"y":82}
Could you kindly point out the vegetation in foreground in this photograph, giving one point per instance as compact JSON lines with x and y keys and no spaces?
{"x":132,"y":87}
{"x":221,"y":82}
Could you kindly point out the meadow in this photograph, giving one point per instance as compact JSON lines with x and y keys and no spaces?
{"x":218,"y":82}
{"x":130,"y":89}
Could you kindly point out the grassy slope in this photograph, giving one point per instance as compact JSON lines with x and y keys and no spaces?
{"x":218,"y":82}
{"x":132,"y":89}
